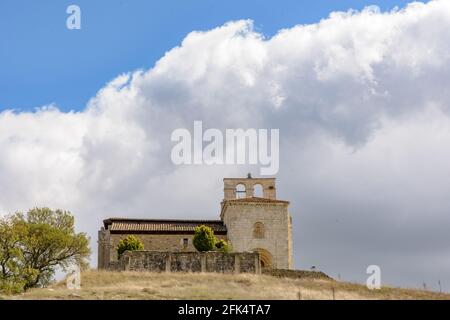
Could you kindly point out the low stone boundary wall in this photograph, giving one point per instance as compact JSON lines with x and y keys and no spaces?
{"x":155,"y":261}
{"x":296,"y":274}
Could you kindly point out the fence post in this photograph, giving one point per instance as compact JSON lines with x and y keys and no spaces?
{"x":168,"y":262}
{"x":237,"y":264}
{"x":203,"y":261}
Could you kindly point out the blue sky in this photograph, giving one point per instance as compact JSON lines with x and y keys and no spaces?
{"x":42,"y":62}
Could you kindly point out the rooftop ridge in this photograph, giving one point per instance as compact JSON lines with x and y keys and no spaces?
{"x":127,"y":225}
{"x":113,"y":219}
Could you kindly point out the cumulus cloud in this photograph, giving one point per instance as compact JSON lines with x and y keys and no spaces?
{"x":360,"y":99}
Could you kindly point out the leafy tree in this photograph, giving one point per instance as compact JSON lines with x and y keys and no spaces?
{"x":130,"y":243}
{"x":10,"y":255}
{"x":204,"y":239}
{"x":35,"y":244}
{"x":223,"y":246}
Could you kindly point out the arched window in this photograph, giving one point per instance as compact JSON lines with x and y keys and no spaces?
{"x":258,"y":230}
{"x":258,"y":191}
{"x":240,"y":191}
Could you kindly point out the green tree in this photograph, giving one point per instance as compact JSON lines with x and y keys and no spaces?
{"x":204,"y":239}
{"x":10,"y":257}
{"x":223,"y":246}
{"x":130,"y":243}
{"x":35,"y":244}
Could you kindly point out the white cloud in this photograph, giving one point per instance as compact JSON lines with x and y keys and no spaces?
{"x":361,"y":100}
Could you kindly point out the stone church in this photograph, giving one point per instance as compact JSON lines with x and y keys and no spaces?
{"x":251,"y":218}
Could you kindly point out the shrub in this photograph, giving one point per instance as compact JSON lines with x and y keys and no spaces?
{"x":223,"y":246}
{"x":204,"y":239}
{"x":130,"y":243}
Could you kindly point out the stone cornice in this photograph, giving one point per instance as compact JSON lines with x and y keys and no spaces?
{"x":251,"y":202}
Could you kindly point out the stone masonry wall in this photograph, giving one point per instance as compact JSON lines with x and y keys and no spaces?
{"x":153,"y":242}
{"x":240,"y":219}
{"x":157,"y":261}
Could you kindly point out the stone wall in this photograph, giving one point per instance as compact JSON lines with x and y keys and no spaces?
{"x":296,"y":274}
{"x":157,"y":261}
{"x":107,"y":249}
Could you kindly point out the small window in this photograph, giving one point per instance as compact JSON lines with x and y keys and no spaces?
{"x":258,"y":230}
{"x":185,"y":242}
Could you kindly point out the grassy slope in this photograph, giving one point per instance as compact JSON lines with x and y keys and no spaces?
{"x":134,"y":285}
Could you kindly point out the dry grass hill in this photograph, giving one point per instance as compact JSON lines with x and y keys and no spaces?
{"x":134,"y":285}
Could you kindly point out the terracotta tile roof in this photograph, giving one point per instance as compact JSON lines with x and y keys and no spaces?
{"x":125,"y":225}
{"x":257,"y":200}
